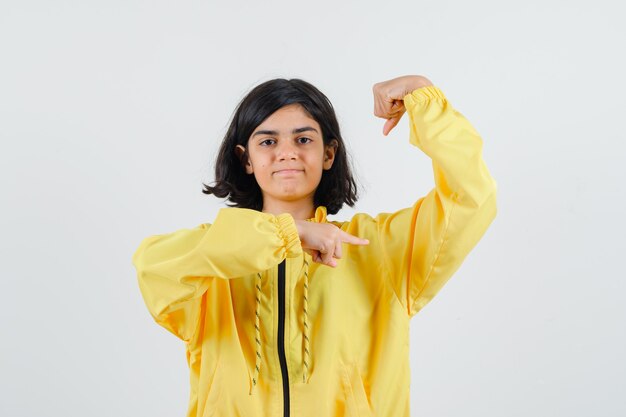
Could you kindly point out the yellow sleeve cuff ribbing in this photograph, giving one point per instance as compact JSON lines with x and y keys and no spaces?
{"x":422,"y":94}
{"x":289,"y":233}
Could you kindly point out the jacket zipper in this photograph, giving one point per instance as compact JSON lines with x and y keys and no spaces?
{"x":281,"y":336}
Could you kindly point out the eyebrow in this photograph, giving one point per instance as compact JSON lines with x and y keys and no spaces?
{"x":295,"y":131}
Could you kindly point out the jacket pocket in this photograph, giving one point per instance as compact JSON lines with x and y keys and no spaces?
{"x":357,"y":404}
{"x":214,"y":394}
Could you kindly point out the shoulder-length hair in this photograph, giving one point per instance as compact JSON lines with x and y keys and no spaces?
{"x":337,"y":185}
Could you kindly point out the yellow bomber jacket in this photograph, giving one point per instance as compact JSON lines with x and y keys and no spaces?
{"x":269,"y":332}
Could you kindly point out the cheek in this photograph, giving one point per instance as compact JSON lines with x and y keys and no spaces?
{"x":260,"y":163}
{"x":315,"y":172}
{"x":264,"y":170}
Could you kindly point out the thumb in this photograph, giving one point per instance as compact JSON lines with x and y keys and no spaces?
{"x":390,"y":124}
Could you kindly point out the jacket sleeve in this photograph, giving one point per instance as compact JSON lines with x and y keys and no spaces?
{"x":174,"y":270}
{"x":423,"y":245}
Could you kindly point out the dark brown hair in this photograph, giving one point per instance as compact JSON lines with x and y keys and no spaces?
{"x":337,"y":185}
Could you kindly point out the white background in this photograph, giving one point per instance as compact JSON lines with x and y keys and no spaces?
{"x":111,"y":113}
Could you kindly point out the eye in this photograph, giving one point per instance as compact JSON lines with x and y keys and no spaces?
{"x":262,"y":142}
{"x":305,"y":138}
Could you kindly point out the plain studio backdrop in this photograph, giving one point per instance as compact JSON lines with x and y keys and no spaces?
{"x":111,"y":114}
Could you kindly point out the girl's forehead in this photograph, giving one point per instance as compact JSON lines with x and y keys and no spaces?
{"x":290,"y":111}
{"x":289,"y":117}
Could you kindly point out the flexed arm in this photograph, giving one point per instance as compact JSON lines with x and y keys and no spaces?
{"x":423,"y":245}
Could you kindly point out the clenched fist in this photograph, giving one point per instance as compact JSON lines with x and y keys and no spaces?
{"x":388,"y":97}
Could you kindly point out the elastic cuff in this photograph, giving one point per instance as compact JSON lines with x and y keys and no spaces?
{"x":289,"y":233}
{"x":423,"y":94}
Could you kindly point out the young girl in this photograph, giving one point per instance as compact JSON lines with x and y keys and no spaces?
{"x":286,"y":313}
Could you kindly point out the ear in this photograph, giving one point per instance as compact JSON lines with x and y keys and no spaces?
{"x":329,"y":153}
{"x":244,"y":157}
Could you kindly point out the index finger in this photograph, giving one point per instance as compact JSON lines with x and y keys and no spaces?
{"x":348,"y":238}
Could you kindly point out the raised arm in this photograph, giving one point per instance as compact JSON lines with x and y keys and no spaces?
{"x":175,"y":269}
{"x":423,"y":245}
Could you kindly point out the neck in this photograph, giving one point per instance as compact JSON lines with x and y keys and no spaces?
{"x":299,"y":210}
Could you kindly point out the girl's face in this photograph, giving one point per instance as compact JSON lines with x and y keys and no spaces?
{"x":287,"y":155}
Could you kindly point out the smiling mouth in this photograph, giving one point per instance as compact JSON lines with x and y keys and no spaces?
{"x":288,"y":171}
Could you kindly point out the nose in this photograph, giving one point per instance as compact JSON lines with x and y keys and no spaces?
{"x":287,"y":150}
